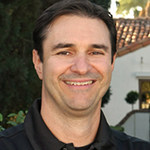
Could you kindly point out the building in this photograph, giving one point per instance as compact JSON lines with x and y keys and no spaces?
{"x":132,"y":68}
{"x":137,"y":123}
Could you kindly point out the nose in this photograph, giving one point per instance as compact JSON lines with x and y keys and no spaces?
{"x":81,"y":65}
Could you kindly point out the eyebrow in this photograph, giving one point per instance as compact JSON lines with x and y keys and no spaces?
{"x":66,"y":45}
{"x":99,"y":46}
{"x":63,"y":45}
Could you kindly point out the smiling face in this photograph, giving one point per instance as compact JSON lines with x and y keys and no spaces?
{"x":76,"y":69}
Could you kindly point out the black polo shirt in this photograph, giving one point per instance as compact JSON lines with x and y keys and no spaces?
{"x":33,"y":134}
{"x":40,"y":136}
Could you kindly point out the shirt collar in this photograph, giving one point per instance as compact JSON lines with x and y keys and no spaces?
{"x":104,"y":134}
{"x":41,"y":137}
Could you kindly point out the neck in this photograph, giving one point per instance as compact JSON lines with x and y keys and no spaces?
{"x":78,"y":130}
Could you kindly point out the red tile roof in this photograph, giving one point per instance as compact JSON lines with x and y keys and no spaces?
{"x":132,"y":34}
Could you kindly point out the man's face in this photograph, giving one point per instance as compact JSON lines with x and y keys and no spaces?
{"x":76,"y":69}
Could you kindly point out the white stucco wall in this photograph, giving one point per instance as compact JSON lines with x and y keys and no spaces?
{"x":138,"y":125}
{"x":124,"y":80}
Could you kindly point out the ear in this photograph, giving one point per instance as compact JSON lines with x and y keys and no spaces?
{"x":113,"y":63}
{"x":38,"y":65}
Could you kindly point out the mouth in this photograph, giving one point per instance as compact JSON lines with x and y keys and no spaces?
{"x":79,"y":83}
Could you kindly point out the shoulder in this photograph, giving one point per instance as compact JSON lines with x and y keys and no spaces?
{"x":11,"y":131}
{"x":130,"y":142}
{"x":13,"y":138}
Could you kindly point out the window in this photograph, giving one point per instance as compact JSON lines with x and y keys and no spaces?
{"x":144,"y":88}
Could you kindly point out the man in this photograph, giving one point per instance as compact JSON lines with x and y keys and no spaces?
{"x":74,"y":54}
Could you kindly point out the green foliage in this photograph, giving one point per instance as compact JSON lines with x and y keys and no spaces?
{"x":13,"y":119}
{"x":118,"y":128}
{"x":1,"y":128}
{"x":19,"y":84}
{"x":1,"y":119}
{"x":106,"y":97}
{"x":103,"y":3}
{"x":126,"y":5}
{"x":132,"y":97}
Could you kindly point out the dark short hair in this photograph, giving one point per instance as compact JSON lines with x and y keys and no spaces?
{"x":75,"y":7}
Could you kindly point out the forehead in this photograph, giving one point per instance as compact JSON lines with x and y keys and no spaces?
{"x":70,"y":28}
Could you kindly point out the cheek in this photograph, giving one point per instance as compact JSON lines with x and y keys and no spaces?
{"x":103,"y":67}
{"x":55,"y":68}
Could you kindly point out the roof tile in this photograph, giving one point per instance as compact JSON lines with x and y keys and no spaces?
{"x":132,"y":34}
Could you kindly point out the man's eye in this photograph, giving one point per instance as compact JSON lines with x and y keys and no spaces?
{"x":96,"y":53}
{"x":63,"y":53}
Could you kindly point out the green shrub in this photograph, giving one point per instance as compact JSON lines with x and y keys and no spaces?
{"x":13,"y":119}
{"x":132,"y":97}
{"x":1,"y":119}
{"x":118,"y":128}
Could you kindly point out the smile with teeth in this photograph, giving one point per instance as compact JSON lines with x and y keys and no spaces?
{"x":79,"y":83}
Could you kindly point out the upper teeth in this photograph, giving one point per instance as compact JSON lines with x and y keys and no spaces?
{"x":79,"y":83}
